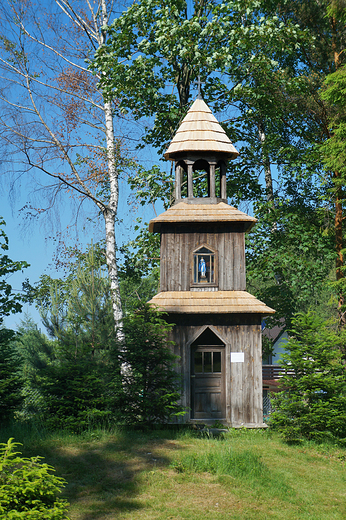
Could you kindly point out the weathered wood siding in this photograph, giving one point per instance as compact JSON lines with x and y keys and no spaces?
{"x":243,"y":381}
{"x":178,"y":243}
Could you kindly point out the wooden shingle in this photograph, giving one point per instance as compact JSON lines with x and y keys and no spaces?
{"x":210,"y":302}
{"x":200,"y":132}
{"x":199,"y":213}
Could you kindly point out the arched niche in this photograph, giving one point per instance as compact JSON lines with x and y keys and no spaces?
{"x":204,"y":263}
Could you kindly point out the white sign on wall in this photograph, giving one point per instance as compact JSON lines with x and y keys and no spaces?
{"x":237,"y":357}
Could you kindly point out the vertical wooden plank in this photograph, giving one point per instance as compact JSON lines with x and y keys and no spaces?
{"x":184,"y":268}
{"x":221,"y":262}
{"x":248,"y":376}
{"x":163,"y":260}
{"x":229,"y":261}
{"x":237,"y":262}
{"x":258,"y":387}
{"x":170,"y":260}
{"x":237,"y":380}
{"x":242,"y":270}
{"x":177,"y":267}
{"x":228,"y":381}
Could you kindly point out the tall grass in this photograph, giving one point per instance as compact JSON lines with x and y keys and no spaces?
{"x":221,"y":460}
{"x":177,"y":475}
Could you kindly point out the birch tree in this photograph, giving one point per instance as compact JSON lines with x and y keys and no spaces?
{"x":55,"y":121}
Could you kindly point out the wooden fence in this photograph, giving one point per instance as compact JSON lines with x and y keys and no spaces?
{"x":272,"y":372}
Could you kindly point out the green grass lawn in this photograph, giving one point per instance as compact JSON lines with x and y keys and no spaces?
{"x":180,"y":475}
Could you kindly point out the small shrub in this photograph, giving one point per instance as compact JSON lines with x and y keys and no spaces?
{"x":28,"y":489}
{"x":313,"y":403}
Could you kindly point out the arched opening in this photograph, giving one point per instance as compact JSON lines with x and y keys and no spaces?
{"x":180,"y":180}
{"x":201,"y":178}
{"x":208,"y":377}
{"x":220,"y":178}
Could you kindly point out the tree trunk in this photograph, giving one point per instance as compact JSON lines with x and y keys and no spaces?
{"x":339,"y":250}
{"x":266,"y":164}
{"x":109,"y":217}
{"x":110,"y":212}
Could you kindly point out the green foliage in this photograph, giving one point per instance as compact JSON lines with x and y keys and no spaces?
{"x":76,"y":376}
{"x":79,"y":395}
{"x":72,"y":378}
{"x":222,"y":461}
{"x":312,"y":403}
{"x":290,"y":257}
{"x":141,"y":256}
{"x":134,"y":290}
{"x":150,"y":382}
{"x":28,"y":489}
{"x":11,"y":380}
{"x":9,"y":302}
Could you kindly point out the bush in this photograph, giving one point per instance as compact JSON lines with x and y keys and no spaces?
{"x":10,"y":378}
{"x":150,"y":383}
{"x":313,"y":402}
{"x":28,"y":489}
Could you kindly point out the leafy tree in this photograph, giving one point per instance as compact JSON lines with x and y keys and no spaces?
{"x":290,"y":262}
{"x":56,"y":120}
{"x":150,"y":383}
{"x":261,"y":68}
{"x":9,"y":302}
{"x":312,"y":403}
{"x":316,"y":57}
{"x":334,"y":151}
{"x":11,"y":380}
{"x":74,"y":373}
{"x":10,"y":360}
{"x":154,"y":52}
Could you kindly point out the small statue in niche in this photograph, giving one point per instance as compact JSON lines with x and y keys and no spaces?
{"x":202,"y":268}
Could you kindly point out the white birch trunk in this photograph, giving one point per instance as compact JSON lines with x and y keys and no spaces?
{"x":110,"y":212}
{"x":113,"y":272}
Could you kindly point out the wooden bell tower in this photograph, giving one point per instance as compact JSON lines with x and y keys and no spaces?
{"x":217,"y":331}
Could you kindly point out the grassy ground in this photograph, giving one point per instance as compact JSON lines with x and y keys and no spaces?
{"x":180,"y":475}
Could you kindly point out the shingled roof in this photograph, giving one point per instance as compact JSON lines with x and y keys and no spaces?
{"x":200,"y":132}
{"x":183,"y":212}
{"x":210,"y":302}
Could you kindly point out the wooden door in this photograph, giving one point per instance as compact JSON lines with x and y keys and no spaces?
{"x":208,"y":382}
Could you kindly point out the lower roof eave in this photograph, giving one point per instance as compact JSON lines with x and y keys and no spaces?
{"x":210,"y":302}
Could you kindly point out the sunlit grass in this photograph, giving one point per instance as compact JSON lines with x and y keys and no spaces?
{"x":182,"y":475}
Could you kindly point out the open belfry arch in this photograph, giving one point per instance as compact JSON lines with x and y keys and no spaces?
{"x":217,"y":331}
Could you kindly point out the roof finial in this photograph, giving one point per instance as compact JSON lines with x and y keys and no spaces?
{"x":199,"y":83}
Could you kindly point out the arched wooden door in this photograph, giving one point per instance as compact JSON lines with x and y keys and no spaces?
{"x":208,"y":377}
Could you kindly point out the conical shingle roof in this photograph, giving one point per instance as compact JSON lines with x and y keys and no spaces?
{"x":200,"y":132}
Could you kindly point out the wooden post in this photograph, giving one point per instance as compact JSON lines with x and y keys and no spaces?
{"x":223,"y":185}
{"x":178,"y":169}
{"x":189,"y":181}
{"x":212,"y":181}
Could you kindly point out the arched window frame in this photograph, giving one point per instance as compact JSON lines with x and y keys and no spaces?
{"x":212,"y":266}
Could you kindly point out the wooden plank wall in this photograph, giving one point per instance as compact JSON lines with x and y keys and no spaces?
{"x":243,"y":380}
{"x":178,"y":244}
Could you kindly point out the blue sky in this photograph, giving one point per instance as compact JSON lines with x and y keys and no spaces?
{"x":35,"y":242}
